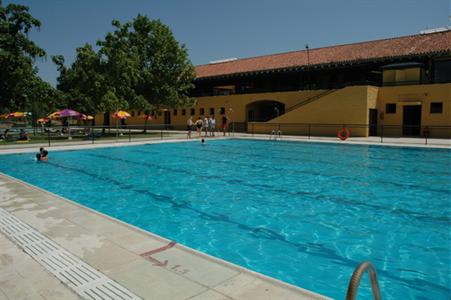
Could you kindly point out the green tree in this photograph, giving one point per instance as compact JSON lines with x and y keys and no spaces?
{"x":84,"y":83}
{"x":139,"y":65}
{"x":146,"y":64}
{"x":20,"y":87}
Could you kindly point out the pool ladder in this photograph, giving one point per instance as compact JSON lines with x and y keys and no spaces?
{"x":355,"y":281}
{"x":275,"y":134}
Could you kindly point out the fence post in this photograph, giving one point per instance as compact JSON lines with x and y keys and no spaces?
{"x":92,"y":134}
{"x":253,"y":129}
{"x":129,"y":135}
{"x":309,"y":127}
{"x":48,"y":135}
{"x":426,"y":135}
{"x":382,"y":133}
{"x":161,"y":131}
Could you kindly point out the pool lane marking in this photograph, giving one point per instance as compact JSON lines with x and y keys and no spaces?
{"x":318,"y":250}
{"x":156,"y":262}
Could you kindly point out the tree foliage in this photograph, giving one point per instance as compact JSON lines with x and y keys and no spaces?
{"x":20,"y":87}
{"x":139,"y":65}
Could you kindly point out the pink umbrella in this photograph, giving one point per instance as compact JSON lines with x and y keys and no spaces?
{"x":68,"y":113}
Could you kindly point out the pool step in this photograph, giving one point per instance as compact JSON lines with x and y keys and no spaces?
{"x":86,"y":281}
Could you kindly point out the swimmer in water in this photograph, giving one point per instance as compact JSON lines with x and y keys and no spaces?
{"x":43,"y":155}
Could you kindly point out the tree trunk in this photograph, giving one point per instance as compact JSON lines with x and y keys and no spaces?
{"x":106,"y":121}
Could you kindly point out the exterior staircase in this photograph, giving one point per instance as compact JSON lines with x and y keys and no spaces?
{"x":309,"y":100}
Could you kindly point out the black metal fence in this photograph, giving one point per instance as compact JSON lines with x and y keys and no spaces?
{"x":425,"y":134}
{"x":56,"y":135}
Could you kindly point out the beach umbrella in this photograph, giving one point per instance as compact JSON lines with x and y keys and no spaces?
{"x":42,"y":120}
{"x":120,"y":115}
{"x":86,"y":117}
{"x":54,"y":115}
{"x":68,"y":113}
{"x":18,"y":114}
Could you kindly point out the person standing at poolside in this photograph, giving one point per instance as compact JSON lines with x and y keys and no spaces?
{"x":224,"y":123}
{"x":206,"y":125}
{"x":199,"y":124}
{"x":212,"y":123}
{"x":189,"y":126}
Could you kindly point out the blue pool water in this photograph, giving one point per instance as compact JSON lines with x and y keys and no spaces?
{"x":304,"y":213}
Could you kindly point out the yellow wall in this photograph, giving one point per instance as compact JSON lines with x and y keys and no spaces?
{"x":346,"y":106}
{"x":235,"y":106}
{"x":417,"y":95}
{"x":402,"y":75}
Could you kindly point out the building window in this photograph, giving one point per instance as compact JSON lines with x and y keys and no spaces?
{"x":436,"y":107}
{"x":212,"y":111}
{"x":193,"y":111}
{"x":222,"y":111}
{"x":390,"y":108}
{"x":183,"y":112}
{"x":175,"y":111}
{"x":202,"y":111}
{"x":133,"y":113}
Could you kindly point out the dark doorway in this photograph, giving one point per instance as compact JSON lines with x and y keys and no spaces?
{"x":264,"y":110}
{"x":250,"y":116}
{"x":411,"y":120}
{"x":167,"y":117}
{"x":373,"y":122}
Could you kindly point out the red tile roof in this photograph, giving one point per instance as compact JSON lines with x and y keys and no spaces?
{"x":379,"y":49}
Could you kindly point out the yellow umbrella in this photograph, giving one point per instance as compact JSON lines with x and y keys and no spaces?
{"x":54,"y":115}
{"x":87,"y":117}
{"x":42,"y":120}
{"x":17,"y":114}
{"x":121,"y":115}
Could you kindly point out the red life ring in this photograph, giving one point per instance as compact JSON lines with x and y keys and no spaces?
{"x":343,"y":133}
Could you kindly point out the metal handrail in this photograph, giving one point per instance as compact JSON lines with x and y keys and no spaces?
{"x":355,"y":281}
{"x":308,"y":100}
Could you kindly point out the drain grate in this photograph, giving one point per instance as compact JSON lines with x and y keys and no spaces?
{"x":79,"y":276}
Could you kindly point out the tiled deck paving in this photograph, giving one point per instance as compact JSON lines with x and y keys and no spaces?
{"x":23,"y":278}
{"x":147,"y":265}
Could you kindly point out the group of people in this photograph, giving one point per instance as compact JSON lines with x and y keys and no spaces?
{"x":6,"y":136}
{"x":207,"y":125}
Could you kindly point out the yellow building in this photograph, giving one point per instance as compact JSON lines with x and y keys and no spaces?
{"x":396,"y":87}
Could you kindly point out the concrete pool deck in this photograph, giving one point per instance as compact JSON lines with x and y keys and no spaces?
{"x":149,"y":266}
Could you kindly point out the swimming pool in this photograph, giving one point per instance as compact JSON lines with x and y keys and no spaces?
{"x":305,"y":213}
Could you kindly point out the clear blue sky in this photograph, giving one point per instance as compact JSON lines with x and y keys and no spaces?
{"x":215,"y":29}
